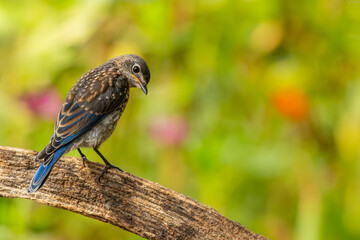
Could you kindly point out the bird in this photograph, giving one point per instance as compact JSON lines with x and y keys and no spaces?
{"x":91,"y":112}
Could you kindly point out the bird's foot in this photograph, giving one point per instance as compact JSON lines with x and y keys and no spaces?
{"x":108,"y":166}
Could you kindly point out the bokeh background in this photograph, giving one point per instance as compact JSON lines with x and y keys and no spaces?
{"x":253,"y":106}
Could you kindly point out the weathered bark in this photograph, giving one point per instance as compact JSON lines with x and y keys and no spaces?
{"x":124,"y":200}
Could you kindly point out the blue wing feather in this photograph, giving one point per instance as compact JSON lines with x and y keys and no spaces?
{"x":83,"y":125}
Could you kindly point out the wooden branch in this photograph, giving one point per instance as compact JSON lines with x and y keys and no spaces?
{"x":124,"y":200}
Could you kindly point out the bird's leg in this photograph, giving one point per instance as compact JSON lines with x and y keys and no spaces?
{"x":83,"y":157}
{"x":107,"y":164}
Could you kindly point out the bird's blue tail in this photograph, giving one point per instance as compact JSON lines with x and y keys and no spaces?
{"x":44,"y":170}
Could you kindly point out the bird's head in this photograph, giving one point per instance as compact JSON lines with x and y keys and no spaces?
{"x":136,"y":70}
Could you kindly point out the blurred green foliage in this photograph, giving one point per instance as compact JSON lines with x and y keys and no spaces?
{"x":253,"y":106}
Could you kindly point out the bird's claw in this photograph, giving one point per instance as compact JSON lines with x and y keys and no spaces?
{"x":108,"y":166}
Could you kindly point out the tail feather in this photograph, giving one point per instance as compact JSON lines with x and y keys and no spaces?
{"x":44,"y":170}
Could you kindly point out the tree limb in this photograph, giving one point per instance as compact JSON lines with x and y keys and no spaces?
{"x":124,"y":200}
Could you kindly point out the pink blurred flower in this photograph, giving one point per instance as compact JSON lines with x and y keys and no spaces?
{"x":46,"y":103}
{"x":170,"y":131}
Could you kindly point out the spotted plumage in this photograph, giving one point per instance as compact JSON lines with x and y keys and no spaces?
{"x":91,"y":111}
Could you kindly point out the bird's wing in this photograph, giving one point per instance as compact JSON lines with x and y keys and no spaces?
{"x":92,"y":98}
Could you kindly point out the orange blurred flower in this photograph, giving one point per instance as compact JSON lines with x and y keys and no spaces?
{"x":291,"y":103}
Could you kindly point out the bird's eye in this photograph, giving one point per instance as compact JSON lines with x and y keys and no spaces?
{"x":136,"y":68}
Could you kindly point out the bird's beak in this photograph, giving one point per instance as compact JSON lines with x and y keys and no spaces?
{"x":140,"y":85}
{"x":144,"y":88}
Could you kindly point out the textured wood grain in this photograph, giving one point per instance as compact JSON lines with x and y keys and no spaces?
{"x":124,"y":200}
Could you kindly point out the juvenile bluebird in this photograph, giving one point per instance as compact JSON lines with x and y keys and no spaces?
{"x":91,"y":111}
